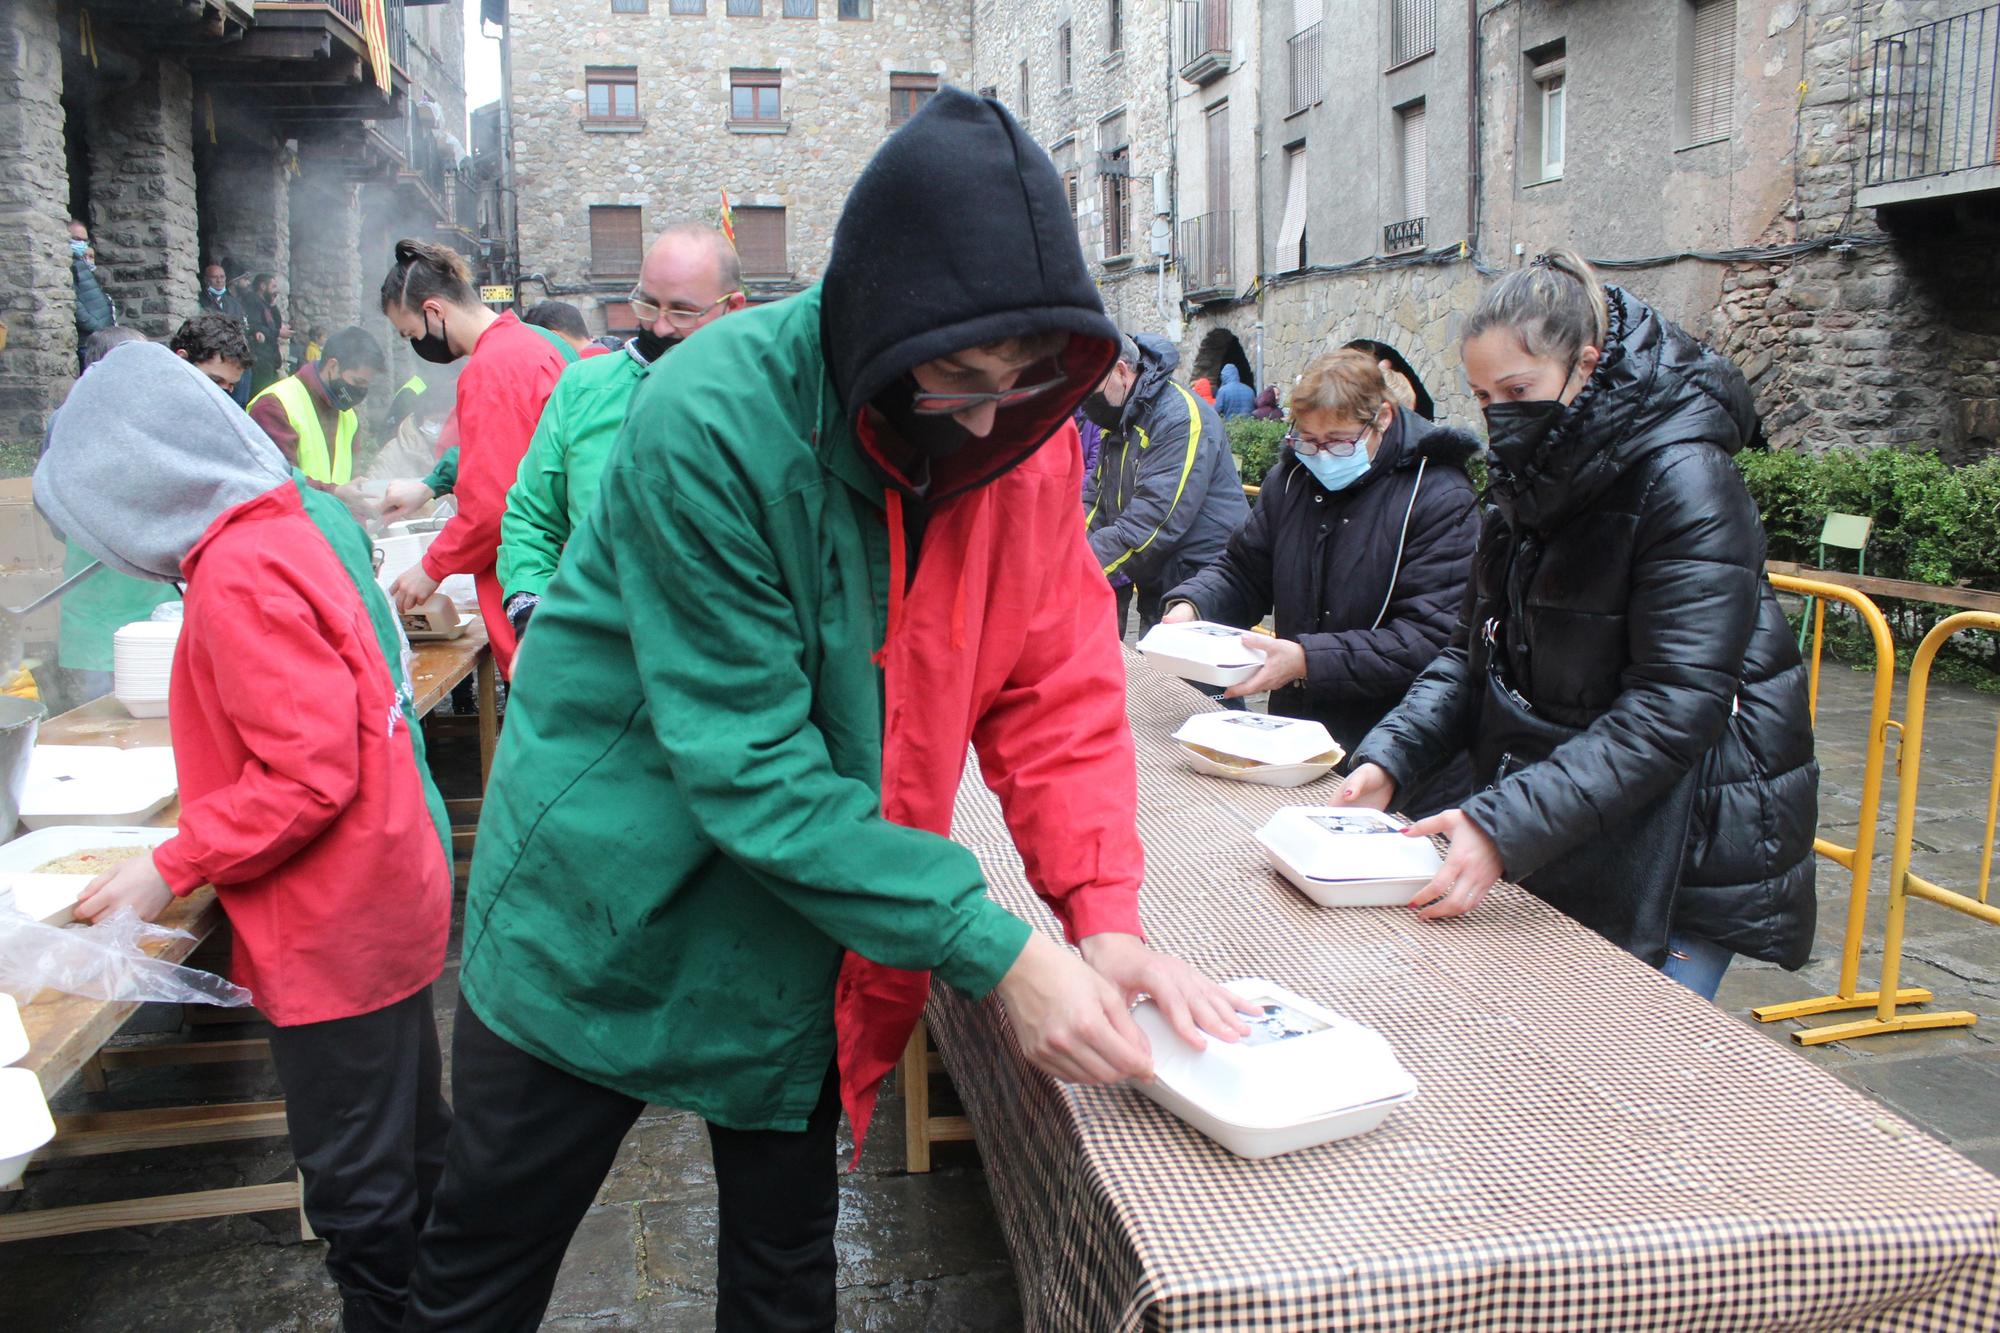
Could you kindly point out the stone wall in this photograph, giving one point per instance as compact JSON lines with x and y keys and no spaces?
{"x":37,"y":299}
{"x":674,"y":161}
{"x":327,"y":270}
{"x":247,"y":198}
{"x":144,"y":220}
{"x":1071,"y":123}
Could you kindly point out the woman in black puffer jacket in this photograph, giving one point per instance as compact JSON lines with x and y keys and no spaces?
{"x":1618,"y":601}
{"x":1362,"y":559}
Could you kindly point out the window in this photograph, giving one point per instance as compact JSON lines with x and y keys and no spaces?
{"x":611,"y":94}
{"x":746,"y":9}
{"x":1114,"y":184}
{"x":760,"y":242}
{"x":628,"y":6}
{"x":1302,"y":50}
{"x":990,"y":91}
{"x":1065,"y":64}
{"x":857,"y":9}
{"x":1114,"y":32}
{"x":1543,"y":120}
{"x":618,"y":318}
{"x":687,"y":6}
{"x":1412,"y":29}
{"x":907,"y":93}
{"x":1021,"y":105}
{"x":1064,"y":154}
{"x":1709,"y":70}
{"x":1292,"y":228}
{"x":1416,"y":161}
{"x":801,"y":9}
{"x":753,"y":95}
{"x":617,"y":243}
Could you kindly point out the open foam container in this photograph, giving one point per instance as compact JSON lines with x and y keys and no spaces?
{"x":1347,"y":856}
{"x":1258,"y":747}
{"x":97,"y":784}
{"x":1305,"y":1076}
{"x":49,"y":897}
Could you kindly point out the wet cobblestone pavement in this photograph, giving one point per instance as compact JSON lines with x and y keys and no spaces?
{"x":925,"y":1252}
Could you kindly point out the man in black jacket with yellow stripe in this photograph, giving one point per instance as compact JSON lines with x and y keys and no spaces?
{"x":1164,"y":496}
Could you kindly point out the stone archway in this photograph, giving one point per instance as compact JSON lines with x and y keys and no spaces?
{"x":1219,"y":348}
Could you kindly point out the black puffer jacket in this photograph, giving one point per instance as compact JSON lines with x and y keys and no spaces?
{"x":1621,"y":569}
{"x":1165,"y":494}
{"x":1368,"y":580}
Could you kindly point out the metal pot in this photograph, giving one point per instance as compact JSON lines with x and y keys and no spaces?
{"x":19,"y":721}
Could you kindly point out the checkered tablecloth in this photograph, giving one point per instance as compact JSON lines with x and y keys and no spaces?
{"x":1592,"y":1148}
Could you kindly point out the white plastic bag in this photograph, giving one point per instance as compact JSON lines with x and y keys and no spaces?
{"x":104,"y":962}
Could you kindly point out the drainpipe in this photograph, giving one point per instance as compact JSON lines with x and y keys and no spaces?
{"x":510,"y":214}
{"x":1475,"y":125}
{"x":1257,"y":201}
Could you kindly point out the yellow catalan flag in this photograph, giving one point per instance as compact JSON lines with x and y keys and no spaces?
{"x":728,"y":219}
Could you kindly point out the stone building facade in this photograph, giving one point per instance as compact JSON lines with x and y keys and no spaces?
{"x":633,"y":115}
{"x":1089,"y":80}
{"x":260,"y":138}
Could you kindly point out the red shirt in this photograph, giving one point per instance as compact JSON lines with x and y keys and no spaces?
{"x":506,"y":381}
{"x":300,"y":796}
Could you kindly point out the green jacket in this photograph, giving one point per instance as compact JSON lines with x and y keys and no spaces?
{"x":683,"y":830}
{"x":559,"y":473}
{"x":92,"y":612}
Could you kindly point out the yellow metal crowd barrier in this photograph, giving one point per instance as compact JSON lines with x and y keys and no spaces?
{"x":1905,"y":884}
{"x":1859,"y":859}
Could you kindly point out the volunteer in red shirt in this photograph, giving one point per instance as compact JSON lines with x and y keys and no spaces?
{"x":318,"y":825}
{"x":509,"y":372}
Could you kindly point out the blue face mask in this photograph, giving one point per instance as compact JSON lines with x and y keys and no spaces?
{"x":78,"y":248}
{"x":1337,"y":474}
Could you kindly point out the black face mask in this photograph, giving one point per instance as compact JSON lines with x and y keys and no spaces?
{"x":653,"y":345}
{"x":1515,"y":431}
{"x":933,"y":437}
{"x":432,"y":346}
{"x":345,"y":395}
{"x":1102,"y":411}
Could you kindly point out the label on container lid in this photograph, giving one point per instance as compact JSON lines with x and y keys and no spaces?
{"x":1201,"y":641}
{"x":1259,"y":736}
{"x":1341,"y":843}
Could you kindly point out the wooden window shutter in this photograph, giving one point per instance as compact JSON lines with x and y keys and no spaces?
{"x":1292,"y":229}
{"x":617,"y":241}
{"x":1712,"y":81}
{"x":760,"y":242}
{"x":1416,"y":164}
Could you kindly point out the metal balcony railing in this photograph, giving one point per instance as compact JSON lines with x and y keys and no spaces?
{"x":1204,"y":39}
{"x":1405,"y":235}
{"x":1308,"y":69}
{"x":1412,"y":30}
{"x":1934,"y":99}
{"x":1205,"y":252}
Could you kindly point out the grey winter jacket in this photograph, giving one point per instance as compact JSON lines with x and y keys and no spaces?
{"x":94,"y":311}
{"x":1165,"y":495}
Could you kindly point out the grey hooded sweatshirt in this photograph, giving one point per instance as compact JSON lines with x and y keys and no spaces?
{"x":144,"y":455}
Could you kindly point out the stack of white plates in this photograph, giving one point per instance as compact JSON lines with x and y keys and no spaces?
{"x":142,"y":660}
{"x":25,"y":1123}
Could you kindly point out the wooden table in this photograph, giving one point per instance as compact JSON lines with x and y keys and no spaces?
{"x":67,"y":1033}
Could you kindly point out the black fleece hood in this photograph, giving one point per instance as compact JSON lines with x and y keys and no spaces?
{"x":958,"y":234}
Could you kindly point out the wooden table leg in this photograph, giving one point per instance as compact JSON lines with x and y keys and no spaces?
{"x":489,"y":717}
{"x":916,"y":1081}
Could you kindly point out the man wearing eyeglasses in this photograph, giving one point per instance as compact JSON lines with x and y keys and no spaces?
{"x":690,"y":278}
{"x":837,"y":545}
{"x":1164,"y":496}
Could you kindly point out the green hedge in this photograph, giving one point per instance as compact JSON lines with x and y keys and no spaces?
{"x":1255,"y":444}
{"x":18,"y":460}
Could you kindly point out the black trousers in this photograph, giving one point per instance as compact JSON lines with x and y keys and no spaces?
{"x":529,"y":1149}
{"x":1150,"y":609}
{"x":365,"y":1106}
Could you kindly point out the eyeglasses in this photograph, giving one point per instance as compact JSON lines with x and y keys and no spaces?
{"x":1306,"y":448}
{"x":681,"y":318}
{"x":949,"y":404}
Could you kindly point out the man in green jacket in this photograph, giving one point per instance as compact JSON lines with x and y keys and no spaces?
{"x":691,"y":276}
{"x":837,"y":542}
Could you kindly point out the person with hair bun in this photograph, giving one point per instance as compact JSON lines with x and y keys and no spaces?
{"x":1621,"y":675}
{"x":509,"y":372}
{"x":1361,"y":543}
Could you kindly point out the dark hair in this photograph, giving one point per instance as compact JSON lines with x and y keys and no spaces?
{"x":260,"y":279}
{"x":317,"y":333}
{"x":424,"y":272}
{"x":355,"y":349}
{"x":558,"y":317}
{"x":99,"y":343}
{"x":1556,"y":306}
{"x":212,"y":337}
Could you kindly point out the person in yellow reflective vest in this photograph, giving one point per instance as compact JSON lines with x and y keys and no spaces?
{"x":310,"y":416}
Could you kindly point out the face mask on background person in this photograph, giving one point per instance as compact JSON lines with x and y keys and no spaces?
{"x":1516,"y":431}
{"x":218,"y":292}
{"x":345,"y":395}
{"x":1337,"y":474}
{"x":1102,"y":410}
{"x":652,"y":346}
{"x":434,"y":347}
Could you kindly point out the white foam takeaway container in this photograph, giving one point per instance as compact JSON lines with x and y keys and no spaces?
{"x":13,"y":1033}
{"x":1267,"y":750}
{"x":97,"y":784}
{"x":1346,"y":856}
{"x":1202,"y":650}
{"x":25,"y":1123}
{"x":1305,"y":1076}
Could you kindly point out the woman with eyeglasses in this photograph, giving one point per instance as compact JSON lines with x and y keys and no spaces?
{"x":1360,"y":547}
{"x":510,"y":369}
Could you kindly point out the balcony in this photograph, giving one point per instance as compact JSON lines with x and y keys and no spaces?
{"x":1934,"y":94}
{"x":1406,"y":235}
{"x":176,"y":25}
{"x":1308,"y":69}
{"x":1206,"y":248}
{"x":1204,"y":40}
{"x":308,"y":62}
